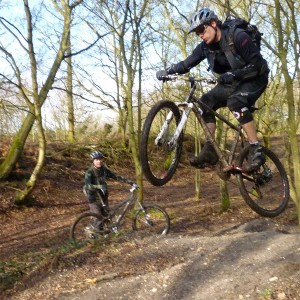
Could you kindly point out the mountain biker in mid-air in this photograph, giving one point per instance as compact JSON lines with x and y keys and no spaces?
{"x":243,"y":78}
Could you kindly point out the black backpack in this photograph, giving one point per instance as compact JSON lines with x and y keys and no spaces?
{"x":232,"y":24}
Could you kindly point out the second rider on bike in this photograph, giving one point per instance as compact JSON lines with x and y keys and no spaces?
{"x":238,"y":88}
{"x":95,"y":181}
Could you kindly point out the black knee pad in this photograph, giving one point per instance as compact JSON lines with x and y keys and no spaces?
{"x":243,"y":115}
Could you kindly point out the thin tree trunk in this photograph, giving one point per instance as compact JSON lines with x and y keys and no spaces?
{"x":221,"y":140}
{"x":70,"y":104}
{"x":23,"y":195}
{"x":292,"y":122}
{"x":17,"y":147}
{"x":18,"y":143}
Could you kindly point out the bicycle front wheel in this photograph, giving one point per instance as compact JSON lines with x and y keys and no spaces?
{"x":266,"y":190}
{"x":152,"y":220}
{"x":159,"y":152}
{"x":83,"y":231}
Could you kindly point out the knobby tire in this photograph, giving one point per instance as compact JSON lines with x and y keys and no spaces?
{"x":266,"y":190}
{"x":159,"y":161}
{"x":152,"y":220}
{"x":78,"y":234}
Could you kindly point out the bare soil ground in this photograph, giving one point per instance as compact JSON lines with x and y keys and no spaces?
{"x":236,"y":254}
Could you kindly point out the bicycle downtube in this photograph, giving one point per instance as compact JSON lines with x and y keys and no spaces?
{"x":212,"y":140}
{"x":121,"y":216}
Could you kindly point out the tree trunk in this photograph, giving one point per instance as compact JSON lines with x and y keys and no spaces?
{"x":197,"y":151}
{"x":221,"y":140}
{"x":23,"y":195}
{"x":70,"y":104}
{"x":17,"y":147}
{"x":292,"y":113}
{"x":19,"y":140}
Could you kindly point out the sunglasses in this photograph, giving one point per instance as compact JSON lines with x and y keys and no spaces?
{"x":201,"y":30}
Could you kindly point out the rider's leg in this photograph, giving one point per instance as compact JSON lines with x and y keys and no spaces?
{"x":251,"y":132}
{"x":94,"y":208}
{"x":208,"y":155}
{"x":255,"y":157}
{"x":211,"y":128}
{"x":239,"y":103}
{"x":215,"y":99}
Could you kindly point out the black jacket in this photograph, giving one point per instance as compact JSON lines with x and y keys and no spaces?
{"x":249,"y":57}
{"x":94,"y":177}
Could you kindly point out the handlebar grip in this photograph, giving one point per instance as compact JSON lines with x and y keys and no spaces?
{"x":167,"y":78}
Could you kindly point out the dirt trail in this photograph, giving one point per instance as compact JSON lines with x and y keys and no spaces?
{"x":239,"y":265}
{"x":207,"y":255}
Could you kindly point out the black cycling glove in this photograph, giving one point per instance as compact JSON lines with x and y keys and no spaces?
{"x":248,"y":72}
{"x":226,"y":78}
{"x":161,"y":74}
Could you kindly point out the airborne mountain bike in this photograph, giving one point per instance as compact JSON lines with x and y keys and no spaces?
{"x":152,"y":219}
{"x":265,"y":190}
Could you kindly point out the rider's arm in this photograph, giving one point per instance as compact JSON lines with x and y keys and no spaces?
{"x":191,"y":61}
{"x":90,"y":183}
{"x":255,"y":64}
{"x":117,"y":177}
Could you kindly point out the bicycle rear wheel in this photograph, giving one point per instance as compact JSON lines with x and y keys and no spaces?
{"x":159,"y":155}
{"x":152,"y":220}
{"x":82,"y":230}
{"x":266,"y":190}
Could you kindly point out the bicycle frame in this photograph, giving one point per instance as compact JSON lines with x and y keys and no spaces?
{"x":191,"y":104}
{"x":151,"y":218}
{"x":125,"y":203}
{"x":265,"y":188}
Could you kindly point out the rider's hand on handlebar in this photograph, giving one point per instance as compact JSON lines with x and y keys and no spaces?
{"x":227,"y":78}
{"x":160,"y":75}
{"x":97,"y":186}
{"x":134,"y":186}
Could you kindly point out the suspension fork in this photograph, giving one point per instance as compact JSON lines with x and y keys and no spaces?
{"x":140,"y":205}
{"x":184,"y":117}
{"x":179,"y":128}
{"x":164,"y":127}
{"x":188,"y":104}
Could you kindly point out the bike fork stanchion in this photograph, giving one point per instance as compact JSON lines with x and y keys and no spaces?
{"x":183,"y":120}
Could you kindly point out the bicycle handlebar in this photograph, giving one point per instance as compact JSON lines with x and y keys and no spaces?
{"x":190,"y":79}
{"x":134,"y":187}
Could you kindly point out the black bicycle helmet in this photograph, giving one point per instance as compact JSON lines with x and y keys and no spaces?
{"x":96,"y":154}
{"x":202,"y":17}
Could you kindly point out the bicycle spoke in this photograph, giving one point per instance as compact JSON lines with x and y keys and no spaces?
{"x":266,"y":190}
{"x":159,"y":152}
{"x":153,"y":220}
{"x":83,"y":230}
